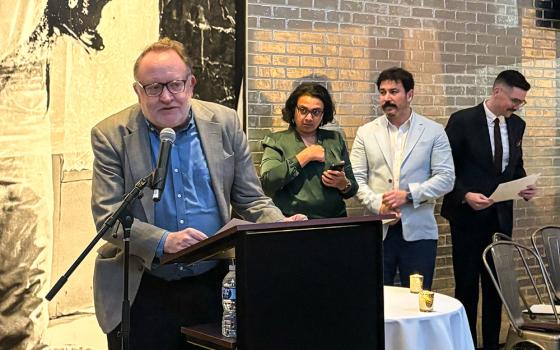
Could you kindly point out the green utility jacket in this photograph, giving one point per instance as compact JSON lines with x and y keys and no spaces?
{"x":299,"y":190}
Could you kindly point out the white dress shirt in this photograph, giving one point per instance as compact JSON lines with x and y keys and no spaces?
{"x":397,"y":137}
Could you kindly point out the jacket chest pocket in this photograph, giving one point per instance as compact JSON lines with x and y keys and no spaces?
{"x":228,"y":169}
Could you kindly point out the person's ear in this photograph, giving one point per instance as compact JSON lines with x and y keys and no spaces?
{"x":137,"y":89}
{"x":192,"y":80}
{"x":410,"y":95}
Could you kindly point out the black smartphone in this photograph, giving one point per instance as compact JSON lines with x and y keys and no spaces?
{"x":337,"y":166}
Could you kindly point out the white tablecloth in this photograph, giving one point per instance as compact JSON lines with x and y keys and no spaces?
{"x":446,"y":328}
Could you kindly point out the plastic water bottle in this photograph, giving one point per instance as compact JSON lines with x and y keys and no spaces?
{"x":229,"y":321}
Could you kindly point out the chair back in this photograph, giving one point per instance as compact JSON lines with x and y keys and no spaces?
{"x":498,"y":236}
{"x":505,"y":276}
{"x":550,"y":238}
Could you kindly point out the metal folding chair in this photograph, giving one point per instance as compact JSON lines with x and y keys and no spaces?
{"x":498,"y":236}
{"x":511,"y":266}
{"x":549,"y":237}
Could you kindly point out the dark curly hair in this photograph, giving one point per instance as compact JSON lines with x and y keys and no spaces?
{"x":309,"y":89}
{"x":397,"y":74}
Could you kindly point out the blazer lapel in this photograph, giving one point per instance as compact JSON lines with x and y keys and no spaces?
{"x":484,"y":138}
{"x":138,"y":151}
{"x":416,"y":130}
{"x":382,"y":137}
{"x":211,"y":139}
{"x":512,"y":140}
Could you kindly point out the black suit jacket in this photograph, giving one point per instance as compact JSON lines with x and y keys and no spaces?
{"x":468,"y":135}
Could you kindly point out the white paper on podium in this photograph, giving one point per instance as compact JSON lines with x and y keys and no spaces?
{"x":231,"y":223}
{"x":509,"y":190}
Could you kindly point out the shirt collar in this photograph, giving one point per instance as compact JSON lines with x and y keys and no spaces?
{"x":404,"y":127}
{"x":490,"y":116}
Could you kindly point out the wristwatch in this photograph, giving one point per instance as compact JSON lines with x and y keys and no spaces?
{"x":408,"y":197}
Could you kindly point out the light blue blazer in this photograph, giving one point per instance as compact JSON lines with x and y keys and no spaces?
{"x":427,"y":171}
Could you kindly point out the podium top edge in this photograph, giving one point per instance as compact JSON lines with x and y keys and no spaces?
{"x":228,"y":235}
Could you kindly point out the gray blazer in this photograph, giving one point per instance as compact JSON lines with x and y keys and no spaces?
{"x":427,"y":171}
{"x":121,"y":148}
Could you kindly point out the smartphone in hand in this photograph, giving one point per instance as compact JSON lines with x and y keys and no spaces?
{"x":337,"y":166}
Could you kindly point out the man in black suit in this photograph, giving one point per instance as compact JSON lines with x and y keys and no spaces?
{"x":486,"y":145}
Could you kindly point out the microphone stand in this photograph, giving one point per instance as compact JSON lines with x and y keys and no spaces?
{"x":121,"y":214}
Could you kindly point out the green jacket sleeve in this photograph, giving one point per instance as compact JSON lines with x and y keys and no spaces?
{"x":277,"y":170}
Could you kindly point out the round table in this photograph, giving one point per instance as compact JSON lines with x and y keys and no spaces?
{"x":445,"y":328}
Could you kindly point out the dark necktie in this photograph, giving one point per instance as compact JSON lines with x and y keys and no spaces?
{"x":498,"y":150}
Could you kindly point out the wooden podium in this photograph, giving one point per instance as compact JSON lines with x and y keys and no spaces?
{"x":315,"y":284}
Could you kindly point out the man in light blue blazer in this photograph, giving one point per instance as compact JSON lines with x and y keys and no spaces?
{"x":402,"y":162}
{"x":211,"y":173}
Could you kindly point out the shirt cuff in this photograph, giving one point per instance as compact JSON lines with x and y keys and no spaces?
{"x":159,"y":249}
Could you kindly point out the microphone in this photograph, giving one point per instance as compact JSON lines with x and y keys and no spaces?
{"x":166,"y":137}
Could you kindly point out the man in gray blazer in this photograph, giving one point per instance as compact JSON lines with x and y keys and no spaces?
{"x":402,"y":163}
{"x":211,"y":173}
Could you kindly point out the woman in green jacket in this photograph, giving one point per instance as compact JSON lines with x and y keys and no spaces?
{"x":306,"y":169}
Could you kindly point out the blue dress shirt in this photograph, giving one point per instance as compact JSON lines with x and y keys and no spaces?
{"x":188,"y":198}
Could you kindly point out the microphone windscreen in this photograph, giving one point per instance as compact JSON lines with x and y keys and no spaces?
{"x":167,"y":134}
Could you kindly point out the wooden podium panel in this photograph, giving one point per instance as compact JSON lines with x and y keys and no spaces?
{"x":208,"y":336}
{"x":316,"y":284}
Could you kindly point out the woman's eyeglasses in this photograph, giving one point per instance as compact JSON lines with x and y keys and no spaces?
{"x":315,"y":112}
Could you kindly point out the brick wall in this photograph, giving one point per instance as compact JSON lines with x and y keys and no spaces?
{"x":454,"y":49}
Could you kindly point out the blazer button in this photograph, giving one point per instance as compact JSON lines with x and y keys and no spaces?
{"x":140,"y":268}
{"x":390,"y":180}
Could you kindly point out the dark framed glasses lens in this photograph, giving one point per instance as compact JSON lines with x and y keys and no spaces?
{"x":153,"y":89}
{"x":317,"y":112}
{"x":314,"y":112}
{"x":176,"y":86}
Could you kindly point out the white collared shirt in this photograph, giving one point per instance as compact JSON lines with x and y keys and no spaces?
{"x":503,"y":132}
{"x":397,"y":139}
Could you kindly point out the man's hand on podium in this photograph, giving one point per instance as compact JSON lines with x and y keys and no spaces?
{"x":180,"y":240}
{"x":296,"y":217}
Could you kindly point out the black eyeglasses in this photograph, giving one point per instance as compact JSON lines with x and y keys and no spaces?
{"x":516,"y":102}
{"x":315,"y":112}
{"x":155,"y":89}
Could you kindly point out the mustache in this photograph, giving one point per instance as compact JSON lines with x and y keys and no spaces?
{"x":388,"y":104}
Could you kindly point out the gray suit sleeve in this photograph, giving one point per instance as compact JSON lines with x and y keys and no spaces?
{"x":108,"y":188}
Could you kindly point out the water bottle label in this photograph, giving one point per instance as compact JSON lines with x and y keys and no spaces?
{"x":229,"y":293}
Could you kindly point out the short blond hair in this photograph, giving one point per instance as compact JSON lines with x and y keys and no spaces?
{"x":164,"y":44}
